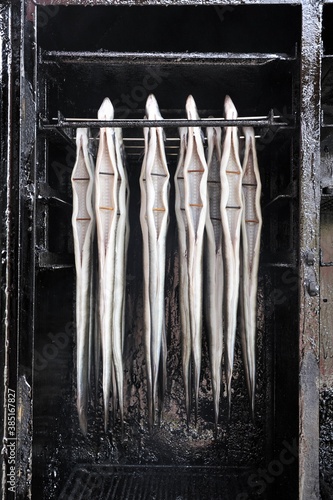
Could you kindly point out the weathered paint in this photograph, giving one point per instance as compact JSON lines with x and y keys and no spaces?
{"x":308,"y":232}
{"x":308,"y":229}
{"x":326,"y":296}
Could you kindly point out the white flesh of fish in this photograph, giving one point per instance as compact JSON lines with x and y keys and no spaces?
{"x":121,"y":244}
{"x":121,"y":152}
{"x":214,"y":264}
{"x":183,"y":279}
{"x":83,"y":227}
{"x":106,"y":207}
{"x":157,"y":217}
{"x":195,"y":182}
{"x":251,"y":232}
{"x":94,"y":342}
{"x":231,"y":213}
{"x":146,"y":278}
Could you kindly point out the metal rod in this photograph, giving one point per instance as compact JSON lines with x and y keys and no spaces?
{"x":261,"y":117}
{"x":54,"y":56}
{"x":279,"y":197}
{"x":166,"y":139}
{"x":63,"y":122}
{"x":322,"y":263}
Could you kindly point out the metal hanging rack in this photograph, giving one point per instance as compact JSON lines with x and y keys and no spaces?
{"x":61,"y":122}
{"x":114,"y":57}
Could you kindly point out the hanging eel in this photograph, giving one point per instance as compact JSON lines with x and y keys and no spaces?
{"x":154,"y":217}
{"x":231,"y":213}
{"x":183,"y":279}
{"x":250,"y":250}
{"x":123,"y":208}
{"x":83,"y":231}
{"x":121,"y":245}
{"x":195,"y":203}
{"x":214,"y":264}
{"x":106,"y":208}
{"x":146,"y":304}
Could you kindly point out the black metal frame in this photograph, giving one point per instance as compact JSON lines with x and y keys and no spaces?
{"x":18,"y":132}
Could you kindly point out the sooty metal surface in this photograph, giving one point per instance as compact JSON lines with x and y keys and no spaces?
{"x":160,"y":483}
{"x":326,"y":452}
{"x":283,"y":325}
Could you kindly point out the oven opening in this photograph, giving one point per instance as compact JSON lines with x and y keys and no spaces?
{"x":126,"y":53}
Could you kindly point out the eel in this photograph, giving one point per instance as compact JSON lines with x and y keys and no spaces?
{"x":155,"y":182}
{"x":106,"y":208}
{"x":94,"y":341}
{"x":214,"y":263}
{"x":146,"y":303}
{"x":195,"y":203}
{"x":250,"y":251}
{"x":122,"y":159}
{"x":183,"y":278}
{"x":121,"y":245}
{"x":231,"y":214}
{"x":83,"y":223}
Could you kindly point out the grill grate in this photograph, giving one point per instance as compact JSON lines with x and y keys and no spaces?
{"x":326,"y":203}
{"x":155,"y":483}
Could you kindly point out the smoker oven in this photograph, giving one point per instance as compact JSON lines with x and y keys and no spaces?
{"x":59,"y":60}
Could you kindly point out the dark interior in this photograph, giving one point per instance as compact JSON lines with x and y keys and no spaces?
{"x":327,"y":67}
{"x":76,"y":86}
{"x":175,"y":28}
{"x":326,"y":393}
{"x":327,"y":31}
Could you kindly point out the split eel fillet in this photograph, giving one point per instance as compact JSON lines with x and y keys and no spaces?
{"x":231,"y":214}
{"x":146,"y":303}
{"x":183,"y":279}
{"x":195,"y":183}
{"x":121,"y":246}
{"x":154,"y":217}
{"x":110,"y":203}
{"x":251,"y":232}
{"x":83,"y":231}
{"x":214,"y":264}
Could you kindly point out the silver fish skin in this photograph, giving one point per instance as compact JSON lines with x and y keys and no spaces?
{"x":195,"y":183}
{"x":122,"y":158}
{"x":157,"y":216}
{"x":83,"y":223}
{"x":162,"y":374}
{"x":106,"y":208}
{"x":231,"y":214}
{"x":95,"y":349}
{"x":121,"y":244}
{"x":250,"y":252}
{"x":146,"y":277}
{"x":183,"y":278}
{"x":213,"y":261}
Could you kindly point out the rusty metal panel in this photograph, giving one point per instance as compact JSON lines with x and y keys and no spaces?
{"x":326,"y":292}
{"x":17,"y":251}
{"x":309,"y":270}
